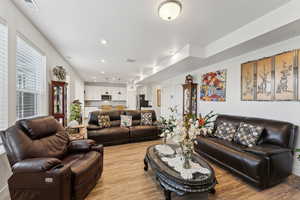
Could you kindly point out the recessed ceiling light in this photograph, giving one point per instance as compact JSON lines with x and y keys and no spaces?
{"x":102,"y":60}
{"x":104,"y":42}
{"x":102,"y":72}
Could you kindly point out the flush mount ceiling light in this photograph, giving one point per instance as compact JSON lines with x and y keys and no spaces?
{"x":104,"y":42}
{"x":169,"y":10}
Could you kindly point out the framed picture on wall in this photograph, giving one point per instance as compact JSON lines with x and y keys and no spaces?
{"x":285,"y":79}
{"x":158,"y":97}
{"x":213,"y":86}
{"x":298,"y":81}
{"x":248,"y":81}
{"x":265,"y":83}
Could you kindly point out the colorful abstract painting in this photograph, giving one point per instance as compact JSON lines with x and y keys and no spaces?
{"x":213,"y":86}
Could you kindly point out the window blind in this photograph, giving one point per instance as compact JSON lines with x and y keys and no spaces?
{"x":30,"y":66}
{"x":3,"y":78}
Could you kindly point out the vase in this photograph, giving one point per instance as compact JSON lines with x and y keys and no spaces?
{"x":187,"y":152}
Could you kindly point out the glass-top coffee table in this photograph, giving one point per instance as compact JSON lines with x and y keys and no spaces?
{"x":166,"y":162}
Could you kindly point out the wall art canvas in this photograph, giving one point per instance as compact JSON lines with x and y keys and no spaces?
{"x":248,"y":81}
{"x":264,"y":86}
{"x":298,"y":81}
{"x":158,"y":97}
{"x":213,"y":86}
{"x":284,"y":76}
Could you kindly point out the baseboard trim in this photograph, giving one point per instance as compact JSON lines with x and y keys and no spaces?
{"x":4,"y":193}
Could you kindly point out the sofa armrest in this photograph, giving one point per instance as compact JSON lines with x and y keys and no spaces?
{"x":81,"y":145}
{"x":36,"y":165}
{"x":267,"y":150}
{"x":98,"y":148}
{"x":93,"y":127}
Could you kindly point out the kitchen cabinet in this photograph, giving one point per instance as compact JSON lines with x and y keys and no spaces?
{"x":95,"y":92}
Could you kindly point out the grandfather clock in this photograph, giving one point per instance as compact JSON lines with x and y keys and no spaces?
{"x":189,"y":96}
{"x":58,"y":101}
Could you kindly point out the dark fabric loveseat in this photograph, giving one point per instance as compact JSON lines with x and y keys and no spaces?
{"x":265,"y":164}
{"x":120,"y":135}
{"x":46,"y":165}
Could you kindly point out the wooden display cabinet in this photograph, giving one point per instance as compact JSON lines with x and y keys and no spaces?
{"x":190,"y":98}
{"x":58,"y":101}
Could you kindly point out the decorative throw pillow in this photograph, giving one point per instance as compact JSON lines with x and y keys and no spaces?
{"x":126,"y":120}
{"x":146,"y":118}
{"x":225,"y":131}
{"x":248,"y":134}
{"x":104,"y":121}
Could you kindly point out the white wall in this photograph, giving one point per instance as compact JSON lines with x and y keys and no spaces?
{"x":287,"y":111}
{"x":18,"y":23}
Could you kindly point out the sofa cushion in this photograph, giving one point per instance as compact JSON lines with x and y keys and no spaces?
{"x":275,"y":132}
{"x":82,"y":166}
{"x":54,"y":146}
{"x":109,"y":134}
{"x":136,"y":114}
{"x":143,"y":131}
{"x":136,"y":122}
{"x":146,"y":118}
{"x":104,"y":121}
{"x":113,"y":115}
{"x":234,"y":156}
{"x":40,"y":127}
{"x":248,"y":134}
{"x":126,"y":120}
{"x":225,"y":131}
{"x":93,"y":127}
{"x":266,"y":150}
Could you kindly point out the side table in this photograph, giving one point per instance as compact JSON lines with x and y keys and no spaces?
{"x":77,"y":132}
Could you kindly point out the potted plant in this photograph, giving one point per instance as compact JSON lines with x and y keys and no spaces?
{"x":76,"y":111}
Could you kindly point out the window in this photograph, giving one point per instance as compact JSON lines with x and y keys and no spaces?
{"x":30,"y":67}
{"x":3,"y":78}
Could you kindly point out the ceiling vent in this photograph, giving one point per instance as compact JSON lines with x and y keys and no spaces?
{"x":31,"y":4}
{"x":130,"y":60}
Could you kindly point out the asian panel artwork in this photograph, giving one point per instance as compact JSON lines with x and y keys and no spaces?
{"x":248,"y":78}
{"x":274,"y":78}
{"x":264,"y":86}
{"x":284,"y":76}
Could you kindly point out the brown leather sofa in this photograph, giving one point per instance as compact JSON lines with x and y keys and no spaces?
{"x":46,"y":165}
{"x":265,"y":164}
{"x":120,"y":135}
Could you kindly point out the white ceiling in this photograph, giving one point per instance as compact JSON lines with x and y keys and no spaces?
{"x":133,"y":30}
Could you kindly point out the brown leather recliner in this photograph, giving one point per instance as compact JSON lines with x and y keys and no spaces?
{"x":46,"y":165}
{"x":264,"y":165}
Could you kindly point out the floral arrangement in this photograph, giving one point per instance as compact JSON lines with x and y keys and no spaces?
{"x":184,"y":130}
{"x":168,"y":125}
{"x":174,"y":125}
{"x":206,"y":123}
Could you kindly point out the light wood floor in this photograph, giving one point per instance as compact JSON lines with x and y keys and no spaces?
{"x":124,"y":179}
